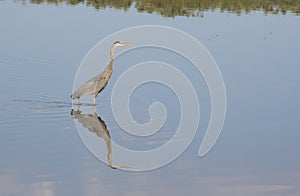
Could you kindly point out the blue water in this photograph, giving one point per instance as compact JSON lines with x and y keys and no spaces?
{"x":41,"y":47}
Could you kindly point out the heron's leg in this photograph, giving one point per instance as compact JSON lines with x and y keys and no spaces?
{"x":79,"y":101}
{"x":95,"y":112}
{"x":95,"y":100}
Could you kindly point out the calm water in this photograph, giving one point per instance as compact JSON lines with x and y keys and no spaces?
{"x":41,"y":47}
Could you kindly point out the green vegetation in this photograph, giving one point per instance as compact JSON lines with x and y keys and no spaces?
{"x":172,"y":8}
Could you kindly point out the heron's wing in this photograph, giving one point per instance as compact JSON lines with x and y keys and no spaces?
{"x":88,"y":87}
{"x":102,"y":81}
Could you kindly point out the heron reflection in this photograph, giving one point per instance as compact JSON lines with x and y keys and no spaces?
{"x":95,"y":124}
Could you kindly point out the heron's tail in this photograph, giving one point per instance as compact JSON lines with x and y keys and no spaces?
{"x":75,"y":95}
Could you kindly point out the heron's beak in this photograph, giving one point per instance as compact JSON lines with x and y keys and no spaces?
{"x":127,"y":43}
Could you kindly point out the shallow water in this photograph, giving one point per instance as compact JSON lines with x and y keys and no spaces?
{"x":42,"y":154}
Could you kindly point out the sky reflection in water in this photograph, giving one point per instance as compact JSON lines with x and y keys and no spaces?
{"x":42,"y":154}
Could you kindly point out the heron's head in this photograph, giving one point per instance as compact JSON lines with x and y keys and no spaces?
{"x":118,"y":43}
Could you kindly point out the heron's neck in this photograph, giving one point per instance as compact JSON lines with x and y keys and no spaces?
{"x":111,"y":62}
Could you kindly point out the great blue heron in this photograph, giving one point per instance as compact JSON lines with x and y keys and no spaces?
{"x":96,"y":125}
{"x":97,"y":83}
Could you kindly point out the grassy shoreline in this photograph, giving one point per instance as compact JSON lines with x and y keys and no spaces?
{"x":193,"y":8}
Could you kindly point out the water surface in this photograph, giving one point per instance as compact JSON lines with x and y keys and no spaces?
{"x":41,"y":48}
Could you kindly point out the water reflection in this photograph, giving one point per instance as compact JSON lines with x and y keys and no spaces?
{"x":188,"y":7}
{"x":95,"y":124}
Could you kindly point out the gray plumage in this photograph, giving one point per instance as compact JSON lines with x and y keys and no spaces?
{"x":97,"y":83}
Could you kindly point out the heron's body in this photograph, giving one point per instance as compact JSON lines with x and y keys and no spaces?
{"x":97,"y":83}
{"x":93,"y":86}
